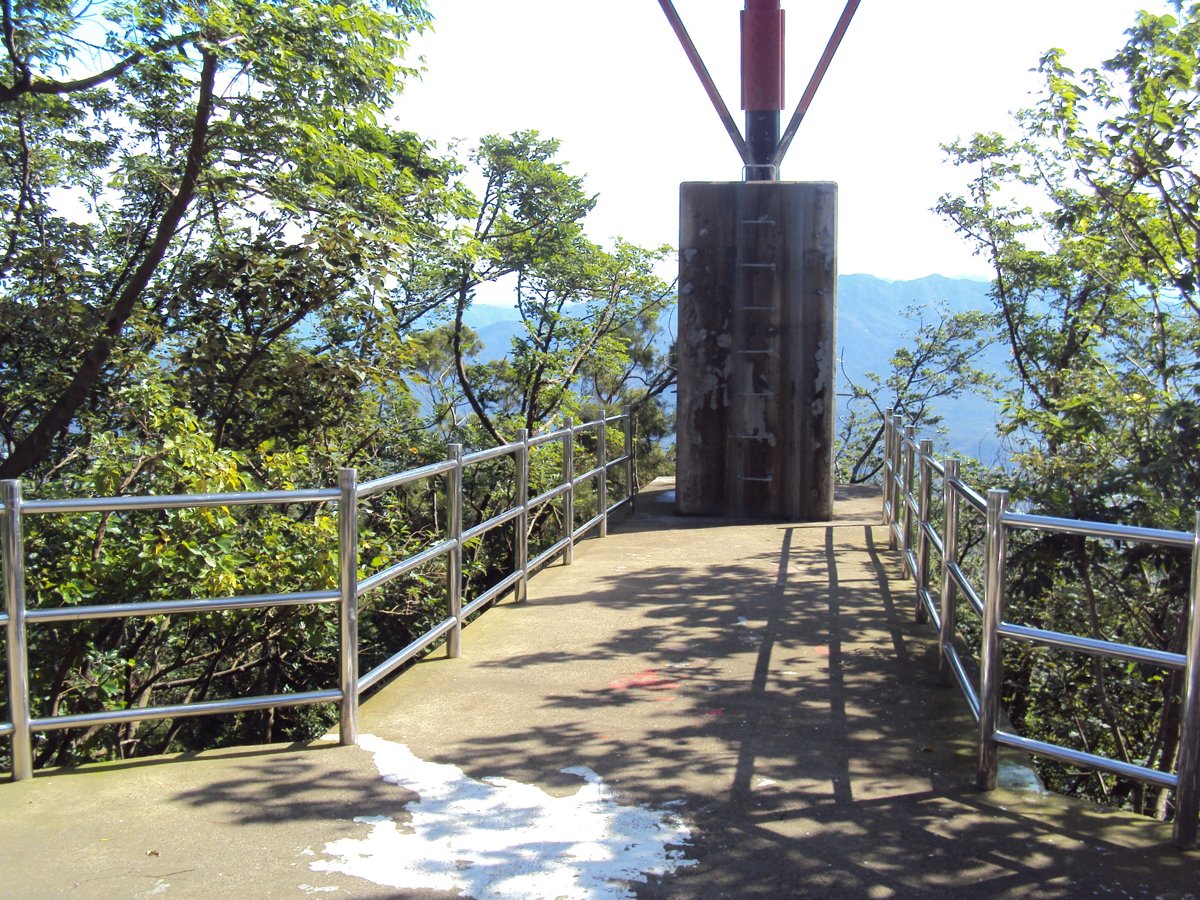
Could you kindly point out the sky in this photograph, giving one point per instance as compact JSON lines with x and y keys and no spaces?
{"x":610,"y":81}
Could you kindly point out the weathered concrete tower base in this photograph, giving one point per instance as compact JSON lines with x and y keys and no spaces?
{"x":756,"y":349}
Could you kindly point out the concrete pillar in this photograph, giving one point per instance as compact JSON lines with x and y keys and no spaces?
{"x":756,"y":349}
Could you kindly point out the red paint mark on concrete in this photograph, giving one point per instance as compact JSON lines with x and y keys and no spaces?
{"x":713,"y":712}
{"x":648,"y":679}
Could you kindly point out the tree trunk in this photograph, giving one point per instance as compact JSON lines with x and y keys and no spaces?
{"x":34,"y":447}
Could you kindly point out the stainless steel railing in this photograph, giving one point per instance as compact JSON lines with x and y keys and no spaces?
{"x":909,"y":473}
{"x":17,"y":618}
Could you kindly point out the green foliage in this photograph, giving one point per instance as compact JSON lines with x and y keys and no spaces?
{"x":214,"y":552}
{"x":1090,"y":221}
{"x":218,"y":271}
{"x":588,"y":313}
{"x":590,"y":316}
{"x":190,"y":133}
{"x":937,"y":362}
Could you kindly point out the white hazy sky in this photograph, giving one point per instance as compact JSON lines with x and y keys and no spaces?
{"x":609,"y":79}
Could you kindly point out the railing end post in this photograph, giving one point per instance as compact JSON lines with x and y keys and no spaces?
{"x":924,"y":505}
{"x":630,"y":468}
{"x":348,"y":606}
{"x":602,"y":465}
{"x":568,"y":472}
{"x":949,"y":609}
{"x":17,"y":643}
{"x":1187,"y":793}
{"x":454,"y":491}
{"x":894,"y":489}
{"x":990,"y":663}
{"x":521,"y":543}
{"x":886,"y":468}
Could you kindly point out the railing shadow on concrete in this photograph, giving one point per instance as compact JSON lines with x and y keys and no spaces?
{"x":909,"y":473}
{"x":17,"y":617}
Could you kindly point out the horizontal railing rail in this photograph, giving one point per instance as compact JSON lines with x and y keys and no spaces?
{"x":17,"y":617}
{"x":909,"y":472}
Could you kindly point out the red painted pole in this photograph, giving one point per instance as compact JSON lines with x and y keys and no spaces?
{"x":762,"y":84}
{"x":762,"y":56}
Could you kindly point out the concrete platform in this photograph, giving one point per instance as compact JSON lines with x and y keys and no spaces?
{"x":762,"y":682}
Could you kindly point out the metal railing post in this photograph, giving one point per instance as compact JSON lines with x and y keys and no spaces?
{"x":521,"y":544}
{"x":348,"y":604}
{"x":989,"y":656}
{"x":627,"y":428}
{"x":906,"y":446}
{"x":602,"y":465}
{"x":18,"y":642}
{"x":894,"y":488}
{"x":887,"y":467}
{"x":568,"y":473}
{"x":1187,"y":790}
{"x":923,"y":506}
{"x":949,"y":607}
{"x":454,"y":565}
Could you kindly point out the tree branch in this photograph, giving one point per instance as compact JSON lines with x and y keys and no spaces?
{"x":24,"y":83}
{"x":34,"y":446}
{"x":460,"y":368}
{"x":23,"y":199}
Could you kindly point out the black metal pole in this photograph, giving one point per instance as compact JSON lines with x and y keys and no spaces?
{"x":762,"y":139}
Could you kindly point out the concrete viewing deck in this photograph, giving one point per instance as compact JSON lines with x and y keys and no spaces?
{"x":762,"y":684}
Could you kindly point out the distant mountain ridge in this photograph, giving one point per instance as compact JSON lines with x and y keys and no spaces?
{"x":870,"y":313}
{"x":871,"y":327}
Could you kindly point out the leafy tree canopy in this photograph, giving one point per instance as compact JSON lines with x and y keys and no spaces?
{"x":222,"y":269}
{"x":139,"y":139}
{"x":1090,"y":219}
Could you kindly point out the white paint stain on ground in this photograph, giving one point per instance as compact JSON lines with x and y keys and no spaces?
{"x":498,"y":838}
{"x":1019,"y":777}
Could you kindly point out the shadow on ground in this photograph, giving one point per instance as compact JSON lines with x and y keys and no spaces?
{"x":768,"y":683}
{"x":764,"y":681}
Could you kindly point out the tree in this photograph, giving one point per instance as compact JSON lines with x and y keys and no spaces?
{"x":200,"y":207}
{"x":185,"y":128}
{"x":529,"y":210}
{"x":585,"y":310}
{"x":213,"y":259}
{"x":432,"y":365}
{"x":583,"y":313}
{"x":937,"y":362}
{"x":1090,"y":222}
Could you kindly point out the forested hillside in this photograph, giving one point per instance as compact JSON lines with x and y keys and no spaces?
{"x":224,"y":267}
{"x":874,"y":315}
{"x":1090,"y":219}
{"x":876,"y":318}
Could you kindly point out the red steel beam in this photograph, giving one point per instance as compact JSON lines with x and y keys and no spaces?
{"x":814,"y":82}
{"x":710,"y":87}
